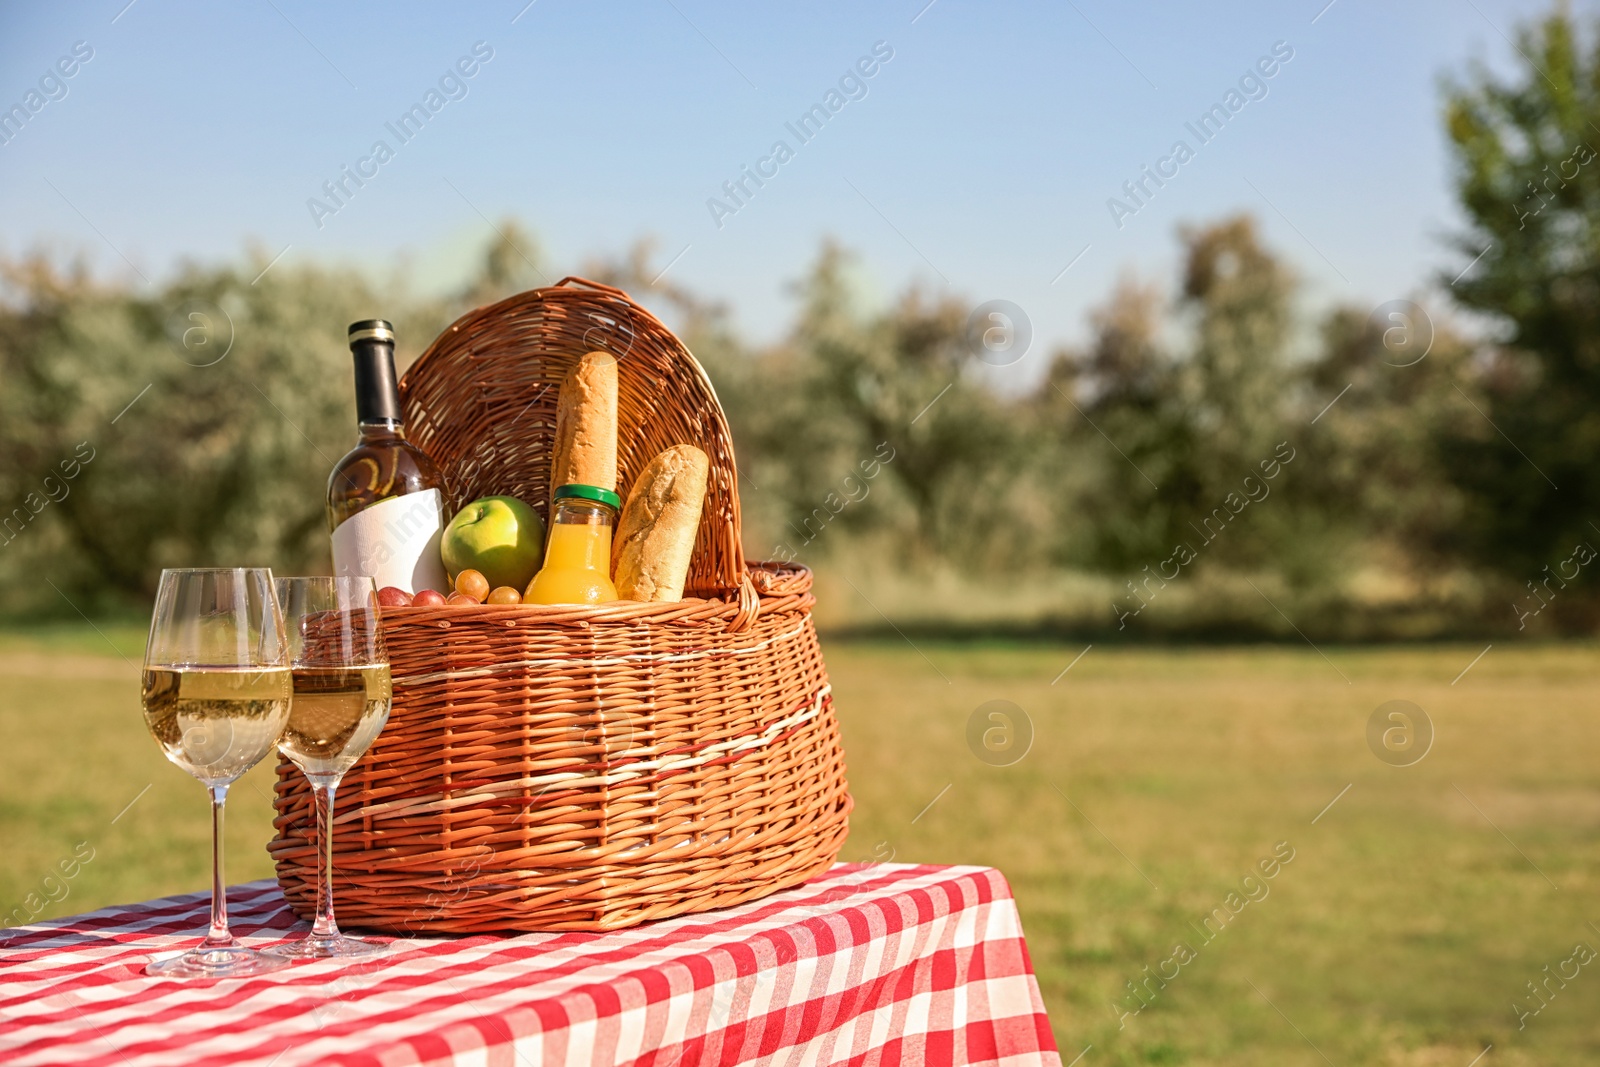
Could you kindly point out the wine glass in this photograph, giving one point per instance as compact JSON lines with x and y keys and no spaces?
{"x":216,"y":694}
{"x":340,"y":668}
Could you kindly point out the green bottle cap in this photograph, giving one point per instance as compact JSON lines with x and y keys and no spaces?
{"x":589,"y":492}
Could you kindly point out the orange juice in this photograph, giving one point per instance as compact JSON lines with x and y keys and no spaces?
{"x":577,"y":554}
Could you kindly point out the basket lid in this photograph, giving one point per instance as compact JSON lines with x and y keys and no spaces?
{"x":482,"y":401}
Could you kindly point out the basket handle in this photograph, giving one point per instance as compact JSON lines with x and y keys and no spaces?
{"x":749,"y":606}
{"x":573,"y":280}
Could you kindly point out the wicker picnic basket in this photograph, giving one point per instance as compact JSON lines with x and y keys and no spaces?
{"x":581,"y":768}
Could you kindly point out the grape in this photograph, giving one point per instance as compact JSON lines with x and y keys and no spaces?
{"x":505,"y":594}
{"x":391,"y":596}
{"x":427,"y":598}
{"x":473,"y":584}
{"x":460,"y":600}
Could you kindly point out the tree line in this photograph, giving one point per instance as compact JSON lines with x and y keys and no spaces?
{"x":1366,"y":472}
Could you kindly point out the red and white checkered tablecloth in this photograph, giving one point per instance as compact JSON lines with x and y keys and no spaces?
{"x":874,"y":964}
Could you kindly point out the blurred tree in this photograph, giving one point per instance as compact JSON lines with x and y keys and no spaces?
{"x":1528,"y":179}
{"x":1237,"y":295}
{"x":212,"y":409}
{"x":1375,"y":450}
{"x":857,"y":404}
{"x":1178,"y":431}
{"x":900,"y":384}
{"x":1119,"y":427}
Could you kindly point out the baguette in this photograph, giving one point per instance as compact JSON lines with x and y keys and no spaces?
{"x":585,"y":450}
{"x":655,"y":537}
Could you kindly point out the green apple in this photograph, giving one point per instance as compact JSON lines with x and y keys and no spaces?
{"x":498,"y":535}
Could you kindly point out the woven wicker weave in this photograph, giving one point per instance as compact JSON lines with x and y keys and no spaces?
{"x":581,"y":768}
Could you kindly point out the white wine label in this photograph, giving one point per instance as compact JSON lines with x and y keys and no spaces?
{"x":395,"y":541}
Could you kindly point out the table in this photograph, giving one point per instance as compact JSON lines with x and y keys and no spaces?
{"x":867,"y":964}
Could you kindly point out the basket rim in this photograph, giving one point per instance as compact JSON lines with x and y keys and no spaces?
{"x":774,"y":581}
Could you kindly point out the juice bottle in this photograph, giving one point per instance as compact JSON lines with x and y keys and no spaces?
{"x":577,"y":555}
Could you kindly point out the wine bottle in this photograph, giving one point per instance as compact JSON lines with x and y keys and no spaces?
{"x":385,"y":497}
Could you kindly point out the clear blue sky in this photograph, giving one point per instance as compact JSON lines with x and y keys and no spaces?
{"x":981,"y":157}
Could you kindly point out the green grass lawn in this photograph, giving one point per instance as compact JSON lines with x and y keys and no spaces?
{"x":1412,"y":915}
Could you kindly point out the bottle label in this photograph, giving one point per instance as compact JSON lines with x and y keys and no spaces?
{"x":395,"y":541}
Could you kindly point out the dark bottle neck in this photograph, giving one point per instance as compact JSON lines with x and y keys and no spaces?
{"x":377,"y":393}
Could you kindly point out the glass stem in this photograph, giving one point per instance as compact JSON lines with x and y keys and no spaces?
{"x":218,"y":936}
{"x":324,"y":927}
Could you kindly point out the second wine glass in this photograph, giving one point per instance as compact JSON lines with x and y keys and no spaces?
{"x":340,"y":669}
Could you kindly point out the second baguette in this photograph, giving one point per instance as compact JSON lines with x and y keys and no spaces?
{"x":655,"y":536}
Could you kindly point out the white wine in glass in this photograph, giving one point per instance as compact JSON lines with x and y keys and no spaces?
{"x":338,"y":711}
{"x":340,"y":669}
{"x":215,"y":722}
{"x":216,"y":694}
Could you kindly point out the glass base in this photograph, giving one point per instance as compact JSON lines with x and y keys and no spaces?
{"x":338,"y":946}
{"x":227,"y":961}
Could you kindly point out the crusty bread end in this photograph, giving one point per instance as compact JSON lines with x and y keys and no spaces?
{"x":655,"y":537}
{"x":585,"y":447}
